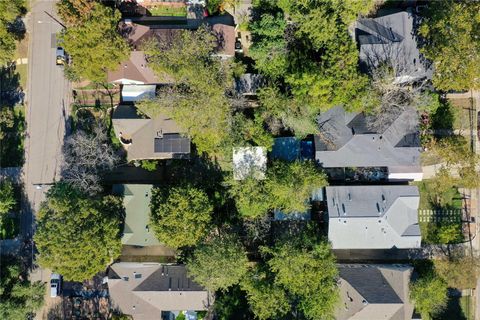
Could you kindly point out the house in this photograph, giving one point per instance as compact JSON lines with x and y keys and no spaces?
{"x":391,"y":38}
{"x":373,"y":291}
{"x":136,"y":201}
{"x":249,"y":162}
{"x":152,"y":291}
{"x":147,"y":138}
{"x":226,"y":36}
{"x":373,"y":217}
{"x":354,"y":140}
{"x":133,"y":71}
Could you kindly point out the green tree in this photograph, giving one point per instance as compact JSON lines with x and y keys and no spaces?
{"x":149,"y":165}
{"x":269,"y":47}
{"x":266,"y":299}
{"x":75,"y":12}
{"x":77,"y":236}
{"x":19,"y":298}
{"x":9,"y":11}
{"x":450,"y":29}
{"x":252,"y":198}
{"x":95,"y":45}
{"x":429,"y":294}
{"x":287,"y":187}
{"x":197,"y":100}
{"x":218,"y":263}
{"x":291,"y":184}
{"x":180,"y":216}
{"x":7,"y":198}
{"x":306,"y":268}
{"x":306,"y":44}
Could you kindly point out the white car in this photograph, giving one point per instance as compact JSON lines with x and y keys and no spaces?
{"x":55,"y":284}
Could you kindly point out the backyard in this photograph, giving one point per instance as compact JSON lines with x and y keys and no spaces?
{"x":168,"y":11}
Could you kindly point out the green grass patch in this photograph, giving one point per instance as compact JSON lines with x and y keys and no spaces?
{"x":22,"y":71}
{"x":451,"y":198}
{"x":168,"y":11}
{"x":9,"y":228}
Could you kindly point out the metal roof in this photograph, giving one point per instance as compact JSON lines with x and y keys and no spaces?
{"x":136,"y":200}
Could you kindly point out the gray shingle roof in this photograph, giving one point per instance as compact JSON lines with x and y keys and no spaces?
{"x":370,"y":291}
{"x":144,"y":290}
{"x":373,"y":217}
{"x":391,"y":38}
{"x":148,"y":136}
{"x":347,"y":141}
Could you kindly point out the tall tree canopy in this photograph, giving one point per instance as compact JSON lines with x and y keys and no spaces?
{"x":429,"y":294}
{"x":287,"y":187}
{"x":218,"y":263}
{"x":95,"y":45}
{"x":267,"y":300}
{"x":75,"y":12}
{"x":197,"y":100}
{"x":180,"y":216}
{"x":451,"y":29}
{"x":19,"y":299}
{"x":77,"y":236}
{"x":306,"y":44}
{"x":9,"y":11}
{"x":306,"y":268}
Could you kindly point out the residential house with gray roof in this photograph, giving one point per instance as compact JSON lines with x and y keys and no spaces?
{"x":355,"y":140}
{"x":373,"y":291}
{"x":373,"y":217}
{"x":149,"y":138}
{"x":390,"y":38}
{"x":153,"y":291}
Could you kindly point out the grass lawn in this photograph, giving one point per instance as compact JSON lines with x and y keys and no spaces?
{"x":168,"y":11}
{"x":452,"y":198}
{"x":9,"y":228}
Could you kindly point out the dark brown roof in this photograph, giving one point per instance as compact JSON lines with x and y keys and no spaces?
{"x":137,"y":34}
{"x":225,"y":38}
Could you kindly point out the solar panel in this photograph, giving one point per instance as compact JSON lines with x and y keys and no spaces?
{"x":172,"y":143}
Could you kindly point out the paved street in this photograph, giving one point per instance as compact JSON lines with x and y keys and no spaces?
{"x":48,"y":99}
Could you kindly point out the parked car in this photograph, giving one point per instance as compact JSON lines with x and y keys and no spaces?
{"x":55,"y":284}
{"x":61,"y":57}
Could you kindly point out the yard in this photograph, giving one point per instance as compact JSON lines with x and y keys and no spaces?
{"x":440,"y":213}
{"x":168,"y":11}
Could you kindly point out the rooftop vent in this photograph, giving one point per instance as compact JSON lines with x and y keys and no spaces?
{"x":125,"y":278}
{"x":349,"y":196}
{"x":137,"y":275}
{"x":378,"y":208}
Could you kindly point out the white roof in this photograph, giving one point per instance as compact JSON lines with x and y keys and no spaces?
{"x":249,"y":161}
{"x":133,"y":92}
{"x":373,"y":217}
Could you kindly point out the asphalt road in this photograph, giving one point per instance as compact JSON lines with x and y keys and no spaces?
{"x":48,"y":100}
